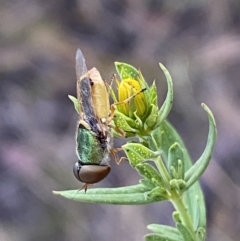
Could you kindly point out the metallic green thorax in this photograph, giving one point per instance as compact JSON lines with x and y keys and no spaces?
{"x":91,"y":148}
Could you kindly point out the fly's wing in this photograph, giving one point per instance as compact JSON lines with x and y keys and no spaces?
{"x":81,"y":70}
{"x":83,"y":88}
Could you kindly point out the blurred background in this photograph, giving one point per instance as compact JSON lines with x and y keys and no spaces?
{"x":199,"y":43}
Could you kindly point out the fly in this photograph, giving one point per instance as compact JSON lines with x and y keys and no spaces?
{"x":93,"y":135}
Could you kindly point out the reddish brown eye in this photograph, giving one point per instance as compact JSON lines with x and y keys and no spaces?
{"x":90,"y":174}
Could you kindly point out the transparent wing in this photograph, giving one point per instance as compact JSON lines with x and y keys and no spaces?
{"x":81,"y":67}
{"x":83,"y":88}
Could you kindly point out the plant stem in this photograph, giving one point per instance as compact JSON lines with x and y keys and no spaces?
{"x":175,"y":197}
{"x":163,"y":171}
{"x":178,"y":204}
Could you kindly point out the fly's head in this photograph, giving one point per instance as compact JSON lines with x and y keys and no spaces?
{"x":90,"y":174}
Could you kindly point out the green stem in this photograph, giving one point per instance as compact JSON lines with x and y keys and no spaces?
{"x":178,"y":204}
{"x":175,"y":197}
{"x":163,"y":172}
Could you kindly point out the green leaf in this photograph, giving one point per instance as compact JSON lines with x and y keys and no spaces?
{"x":137,"y":153}
{"x":166,"y":232}
{"x":201,"y":233}
{"x":176,"y":217}
{"x":177,"y":184}
{"x":184,"y":232}
{"x":75,"y":102}
{"x":153,"y":141}
{"x":147,"y":183}
{"x":149,"y":172}
{"x":158,"y":237}
{"x":173,"y":172}
{"x":167,"y":105}
{"x":163,"y":137}
{"x":193,"y":174}
{"x":157,"y":192}
{"x":143,"y":83}
{"x":175,"y":160}
{"x":153,"y":98}
{"x":138,"y":121}
{"x":126,"y":71}
{"x":130,"y":195}
{"x":153,"y":116}
{"x":148,"y":91}
{"x":123,"y":122}
{"x":198,"y":211}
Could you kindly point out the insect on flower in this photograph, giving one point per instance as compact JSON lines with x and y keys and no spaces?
{"x":93,"y":135}
{"x":94,"y":129}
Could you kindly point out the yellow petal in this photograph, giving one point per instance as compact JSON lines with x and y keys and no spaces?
{"x":127,"y":88}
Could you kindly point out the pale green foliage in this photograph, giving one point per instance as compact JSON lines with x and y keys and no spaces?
{"x":173,"y":173}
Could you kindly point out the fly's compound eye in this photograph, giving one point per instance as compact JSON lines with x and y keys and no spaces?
{"x":91,"y":82}
{"x":90,"y":174}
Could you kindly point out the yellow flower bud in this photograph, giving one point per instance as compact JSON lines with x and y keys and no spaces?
{"x":127,"y":88}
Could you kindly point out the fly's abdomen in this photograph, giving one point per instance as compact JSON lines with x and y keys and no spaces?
{"x":89,"y":149}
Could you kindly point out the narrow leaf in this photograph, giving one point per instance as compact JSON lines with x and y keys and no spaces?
{"x":159,"y":237}
{"x":187,"y":236}
{"x":153,"y":98}
{"x":201,"y":164}
{"x":152,"y":118}
{"x":130,"y":195}
{"x":153,"y":94}
{"x":167,"y":105}
{"x":165,"y":231}
{"x":75,"y":102}
{"x":175,"y":154}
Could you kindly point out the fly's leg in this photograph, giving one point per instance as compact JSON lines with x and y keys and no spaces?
{"x":84,"y":124}
{"x":114,"y":151}
{"x":112,"y":107}
{"x":109,"y":86}
{"x":85,"y":187}
{"x":119,"y":131}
